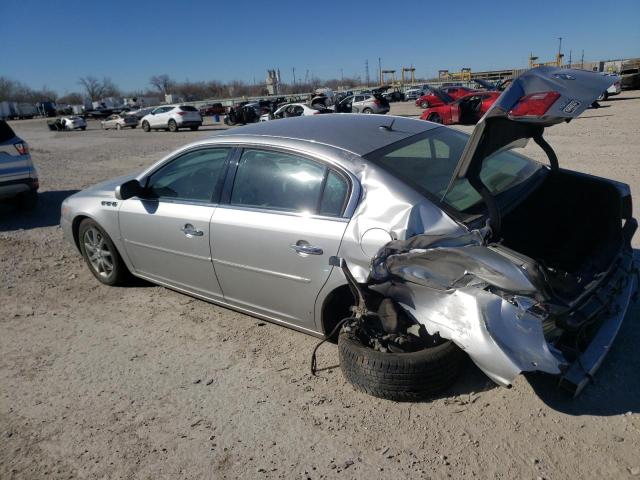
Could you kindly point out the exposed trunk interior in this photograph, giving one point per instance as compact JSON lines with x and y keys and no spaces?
{"x":572,"y":226}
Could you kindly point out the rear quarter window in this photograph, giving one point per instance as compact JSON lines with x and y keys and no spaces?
{"x":188,"y":108}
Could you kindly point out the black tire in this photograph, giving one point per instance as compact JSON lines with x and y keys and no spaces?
{"x":399,"y":376}
{"x":145,"y":126}
{"x":28,"y":200}
{"x":603,"y":96}
{"x":119,"y":275}
{"x":367,"y":110}
{"x":134,"y":127}
{"x":193,"y":129}
{"x":173,"y":126}
{"x":83,"y":128}
{"x":424,"y":104}
{"x":435,"y":118}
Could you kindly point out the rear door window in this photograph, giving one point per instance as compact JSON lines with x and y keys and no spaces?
{"x":188,"y":108}
{"x":282,"y":181}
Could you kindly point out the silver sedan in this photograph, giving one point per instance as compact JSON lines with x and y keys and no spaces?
{"x":118,"y":121}
{"x":451,"y":243}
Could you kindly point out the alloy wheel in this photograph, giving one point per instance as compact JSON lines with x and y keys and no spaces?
{"x":98,"y":253}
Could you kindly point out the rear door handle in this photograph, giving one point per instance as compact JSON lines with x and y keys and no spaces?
{"x":304,"y":248}
{"x":190,"y":231}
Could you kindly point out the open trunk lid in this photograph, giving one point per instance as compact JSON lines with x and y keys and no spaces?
{"x":538,"y":98}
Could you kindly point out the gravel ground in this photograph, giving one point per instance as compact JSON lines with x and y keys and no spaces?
{"x":143,"y":382}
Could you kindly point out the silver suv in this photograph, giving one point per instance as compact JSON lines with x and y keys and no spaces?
{"x":18,"y":175}
{"x":364,"y":103}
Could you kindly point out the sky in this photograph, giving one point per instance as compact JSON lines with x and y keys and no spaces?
{"x":54,"y":43}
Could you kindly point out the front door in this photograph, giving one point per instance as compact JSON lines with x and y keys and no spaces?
{"x":166,"y":234}
{"x":273,"y":239}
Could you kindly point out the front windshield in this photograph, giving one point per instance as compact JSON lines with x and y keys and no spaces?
{"x":426,"y":162}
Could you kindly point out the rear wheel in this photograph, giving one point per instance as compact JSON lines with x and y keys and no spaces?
{"x":407,"y":376}
{"x":367,"y":110}
{"x":101,"y":255}
{"x":133,"y":127}
{"x":173,"y":126}
{"x":193,"y":129}
{"x":28,"y":200}
{"x":145,"y":126}
{"x":435,"y":118}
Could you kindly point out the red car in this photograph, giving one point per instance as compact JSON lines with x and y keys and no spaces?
{"x":466,"y":110}
{"x":432,"y":98}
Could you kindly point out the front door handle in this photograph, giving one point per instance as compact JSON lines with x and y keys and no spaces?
{"x":190,"y":231}
{"x":303,"y":247}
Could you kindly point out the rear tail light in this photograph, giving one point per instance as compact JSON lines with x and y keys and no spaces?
{"x":182,"y":113}
{"x":534,"y":105}
{"x":22,"y":148}
{"x":376,"y":102}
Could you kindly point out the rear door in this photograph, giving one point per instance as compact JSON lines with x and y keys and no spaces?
{"x":190,"y":114}
{"x":272,"y":240}
{"x":166,"y":234}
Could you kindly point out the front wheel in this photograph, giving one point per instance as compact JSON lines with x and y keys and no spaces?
{"x":83,"y":128}
{"x":100,"y":254}
{"x":173,"y":126}
{"x":146,"y":127}
{"x":134,"y":127}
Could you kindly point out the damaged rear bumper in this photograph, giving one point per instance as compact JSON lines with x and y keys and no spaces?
{"x":609,"y":306}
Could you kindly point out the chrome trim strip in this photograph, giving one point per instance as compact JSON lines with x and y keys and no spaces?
{"x":282,"y":212}
{"x":167,"y":250}
{"x":261,"y":270}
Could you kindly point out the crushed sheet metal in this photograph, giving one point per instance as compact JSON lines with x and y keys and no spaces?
{"x":501,"y":339}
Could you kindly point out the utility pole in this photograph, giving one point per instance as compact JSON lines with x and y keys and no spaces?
{"x":342,"y":76}
{"x":293,"y":70}
{"x":560,"y":46}
{"x":366,"y":70}
{"x":380,"y":70}
{"x":582,"y":61}
{"x":570,"y":58}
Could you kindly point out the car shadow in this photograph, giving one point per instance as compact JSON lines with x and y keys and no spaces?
{"x":46,"y":213}
{"x":615,"y":388}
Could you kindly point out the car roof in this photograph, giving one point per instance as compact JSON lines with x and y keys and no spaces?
{"x":356,"y":133}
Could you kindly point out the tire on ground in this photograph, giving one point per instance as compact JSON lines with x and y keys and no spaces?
{"x":399,"y":376}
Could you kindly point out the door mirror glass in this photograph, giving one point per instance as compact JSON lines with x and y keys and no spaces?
{"x":128,"y":189}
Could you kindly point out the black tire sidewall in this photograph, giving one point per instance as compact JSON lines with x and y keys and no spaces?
{"x":399,"y":376}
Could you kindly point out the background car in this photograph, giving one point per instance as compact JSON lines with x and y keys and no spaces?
{"x":119,"y":121}
{"x":18,"y":175}
{"x":293,"y":110}
{"x":413,"y":94}
{"x":213,"y":109}
{"x":67,"y":123}
{"x":140,"y":113}
{"x":172,"y":118}
{"x":466,"y":110}
{"x":630,"y":78}
{"x":364,"y":103}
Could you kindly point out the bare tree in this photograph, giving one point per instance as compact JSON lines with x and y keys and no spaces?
{"x":73,"y":98}
{"x":162,"y":82}
{"x":109,"y":89}
{"x":93,"y":86}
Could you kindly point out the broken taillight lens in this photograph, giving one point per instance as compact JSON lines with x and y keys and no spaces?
{"x":534,"y":105}
{"x":22,"y":148}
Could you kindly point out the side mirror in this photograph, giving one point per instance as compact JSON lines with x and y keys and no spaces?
{"x":128,"y":189}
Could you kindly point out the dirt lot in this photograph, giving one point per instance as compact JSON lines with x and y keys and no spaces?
{"x":143,"y":382}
